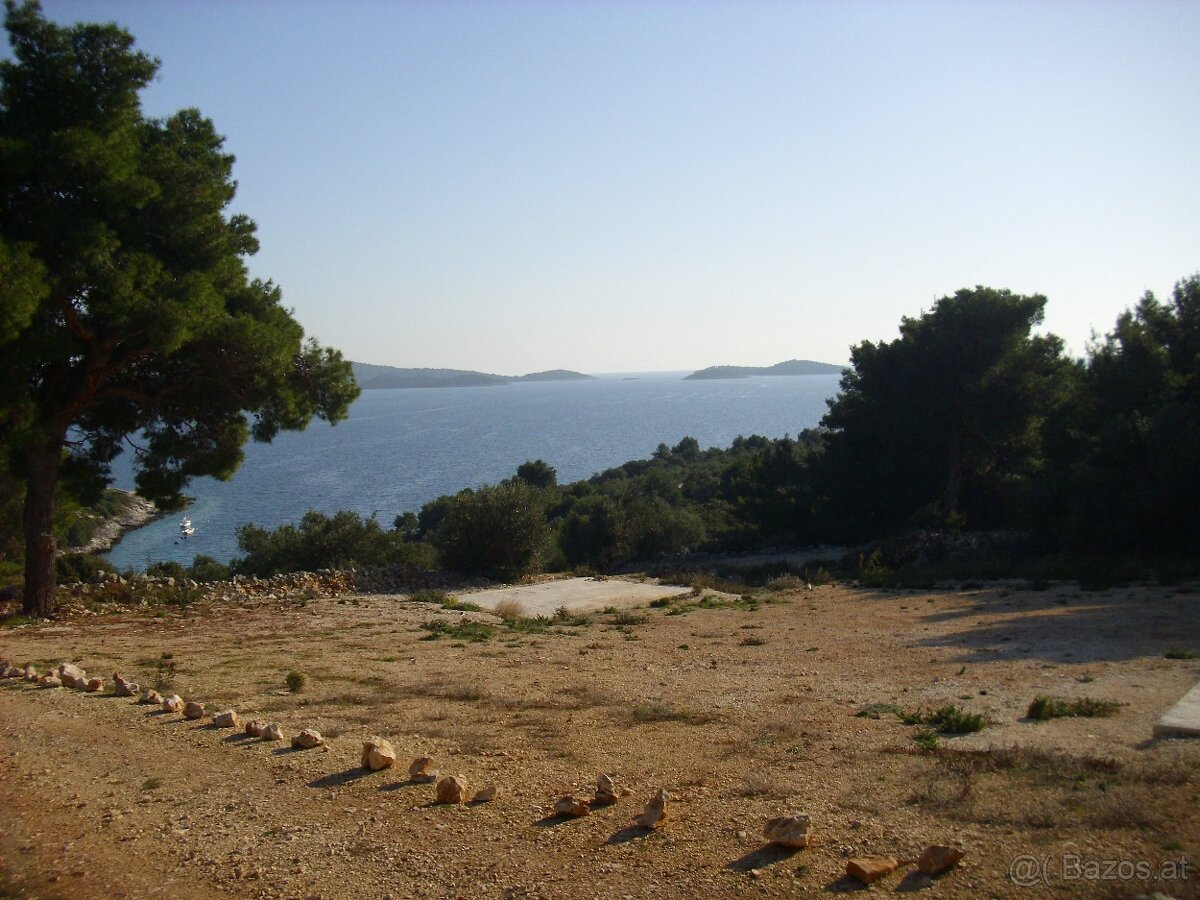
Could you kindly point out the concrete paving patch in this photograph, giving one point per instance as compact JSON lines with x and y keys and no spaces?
{"x":576,"y":594}
{"x":1182,"y":719}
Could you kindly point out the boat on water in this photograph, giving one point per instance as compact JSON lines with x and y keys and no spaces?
{"x":186,"y":529}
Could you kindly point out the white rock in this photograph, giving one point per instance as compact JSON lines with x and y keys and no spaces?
{"x":656,"y":811}
{"x":273,"y":732}
{"x":789,"y":831}
{"x":173,"y":704}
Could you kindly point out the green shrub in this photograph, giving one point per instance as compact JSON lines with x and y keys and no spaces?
{"x":948,"y":719}
{"x":341,"y":541}
{"x":205,"y":569}
{"x":875,"y":710}
{"x":295,"y":681}
{"x":1043,"y":708}
{"x":497,"y":531}
{"x":926,"y":739}
{"x":166,"y":569}
{"x":80,"y":531}
{"x":79,"y":567}
{"x":952,"y":720}
{"x":474,"y":632}
{"x":1179,"y":654}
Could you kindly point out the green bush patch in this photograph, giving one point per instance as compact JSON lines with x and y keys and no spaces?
{"x":948,"y":719}
{"x":875,"y":710}
{"x":472,"y":632}
{"x":1043,"y":708}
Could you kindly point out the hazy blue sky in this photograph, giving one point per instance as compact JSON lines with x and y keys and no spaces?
{"x":632,"y":186}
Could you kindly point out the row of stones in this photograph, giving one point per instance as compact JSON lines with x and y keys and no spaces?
{"x":378,"y":753}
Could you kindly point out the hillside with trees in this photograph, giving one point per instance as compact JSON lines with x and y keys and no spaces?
{"x":968,"y":422}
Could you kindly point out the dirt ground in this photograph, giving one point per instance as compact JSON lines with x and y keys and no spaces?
{"x":741,"y":709}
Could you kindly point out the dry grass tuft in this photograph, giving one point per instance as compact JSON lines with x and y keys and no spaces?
{"x":762,"y":784}
{"x":664,"y":711}
{"x":509,"y":610}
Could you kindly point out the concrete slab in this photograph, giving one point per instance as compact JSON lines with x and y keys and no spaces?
{"x":576,"y":594}
{"x":1182,"y":719}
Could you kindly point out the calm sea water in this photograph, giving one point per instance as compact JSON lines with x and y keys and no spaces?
{"x":401,"y":448}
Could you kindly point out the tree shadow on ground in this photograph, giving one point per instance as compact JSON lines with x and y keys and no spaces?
{"x":766,"y":855}
{"x":1066,"y":627}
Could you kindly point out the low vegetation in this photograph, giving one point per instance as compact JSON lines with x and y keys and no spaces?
{"x":947,"y":719}
{"x":1043,"y":708}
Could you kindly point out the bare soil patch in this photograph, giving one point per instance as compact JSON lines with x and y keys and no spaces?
{"x":576,"y":595}
{"x":742,"y":708}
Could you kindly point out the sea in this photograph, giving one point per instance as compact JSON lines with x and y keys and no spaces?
{"x":403,"y":447}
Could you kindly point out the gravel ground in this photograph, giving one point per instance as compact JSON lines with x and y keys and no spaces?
{"x":741,"y":710}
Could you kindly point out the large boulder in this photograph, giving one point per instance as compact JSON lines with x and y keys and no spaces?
{"x":452,"y":789}
{"x":377,"y":754}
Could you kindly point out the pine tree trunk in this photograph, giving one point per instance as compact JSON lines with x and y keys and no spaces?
{"x":41,"y":479}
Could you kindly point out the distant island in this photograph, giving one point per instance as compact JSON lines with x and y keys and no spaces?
{"x":791,"y":367}
{"x":372,"y":377}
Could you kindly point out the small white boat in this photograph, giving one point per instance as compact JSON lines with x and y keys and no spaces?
{"x":186,"y":529}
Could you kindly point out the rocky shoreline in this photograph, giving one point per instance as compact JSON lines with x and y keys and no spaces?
{"x":138,"y":512}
